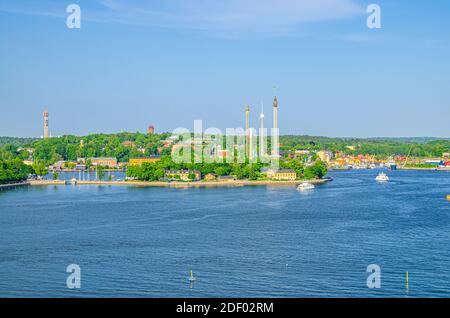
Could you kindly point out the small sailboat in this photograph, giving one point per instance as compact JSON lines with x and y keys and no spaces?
{"x":192,"y":277}
{"x":382,"y":177}
{"x":305,"y":186}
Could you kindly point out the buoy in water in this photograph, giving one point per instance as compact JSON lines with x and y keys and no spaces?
{"x":448,"y":197}
{"x":191,"y":277}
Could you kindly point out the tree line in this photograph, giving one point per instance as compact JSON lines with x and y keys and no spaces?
{"x":13,"y":171}
{"x":382,"y":148}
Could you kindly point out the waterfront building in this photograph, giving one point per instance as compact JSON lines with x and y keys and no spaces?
{"x":46,"y":131}
{"x":80,"y":167}
{"x":281,"y":174}
{"x":325,"y":155}
{"x":184,"y":175}
{"x":58,"y":166}
{"x":107,"y":162}
{"x":140,"y":161}
{"x":210,"y":177}
{"x":226,"y":178}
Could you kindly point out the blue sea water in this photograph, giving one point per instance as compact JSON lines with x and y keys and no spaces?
{"x":240,"y":242}
{"x":88,"y":176}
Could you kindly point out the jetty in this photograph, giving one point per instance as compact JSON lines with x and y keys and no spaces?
{"x":10,"y":186}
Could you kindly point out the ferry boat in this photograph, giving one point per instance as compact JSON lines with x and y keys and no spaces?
{"x":305,"y":186}
{"x":382,"y":177}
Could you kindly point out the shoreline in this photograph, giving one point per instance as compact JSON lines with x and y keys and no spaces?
{"x":196,"y":184}
{"x":424,"y":169}
{"x":398,"y":168}
{"x":4,"y":187}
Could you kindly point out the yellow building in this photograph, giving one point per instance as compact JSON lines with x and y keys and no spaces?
{"x":183,"y":175}
{"x":107,"y":162}
{"x":210,"y":177}
{"x":281,"y":174}
{"x":140,"y":161}
{"x":325,"y":156}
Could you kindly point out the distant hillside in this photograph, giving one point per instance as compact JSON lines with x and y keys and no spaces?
{"x":415,"y":140}
{"x":407,"y":140}
{"x":16,"y":142}
{"x":382,"y":147}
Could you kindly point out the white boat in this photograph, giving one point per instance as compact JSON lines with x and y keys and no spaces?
{"x":382,"y":177}
{"x":305,"y":186}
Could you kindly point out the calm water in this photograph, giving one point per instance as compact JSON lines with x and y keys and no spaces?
{"x":87,"y":176}
{"x":240,"y":242}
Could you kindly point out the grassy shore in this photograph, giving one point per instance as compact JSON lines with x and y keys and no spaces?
{"x":197,"y":184}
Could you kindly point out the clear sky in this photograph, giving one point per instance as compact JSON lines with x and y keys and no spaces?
{"x":169,"y":62}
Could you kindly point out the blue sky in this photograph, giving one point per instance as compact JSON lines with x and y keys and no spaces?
{"x":169,"y":62}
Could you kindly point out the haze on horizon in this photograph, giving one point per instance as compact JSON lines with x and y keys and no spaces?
{"x":168,"y":63}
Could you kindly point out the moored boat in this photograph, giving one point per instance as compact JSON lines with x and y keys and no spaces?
{"x":305,"y":186}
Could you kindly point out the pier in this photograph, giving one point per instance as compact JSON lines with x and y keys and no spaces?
{"x":4,"y":187}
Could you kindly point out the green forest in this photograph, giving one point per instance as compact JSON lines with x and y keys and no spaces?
{"x":13,"y":171}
